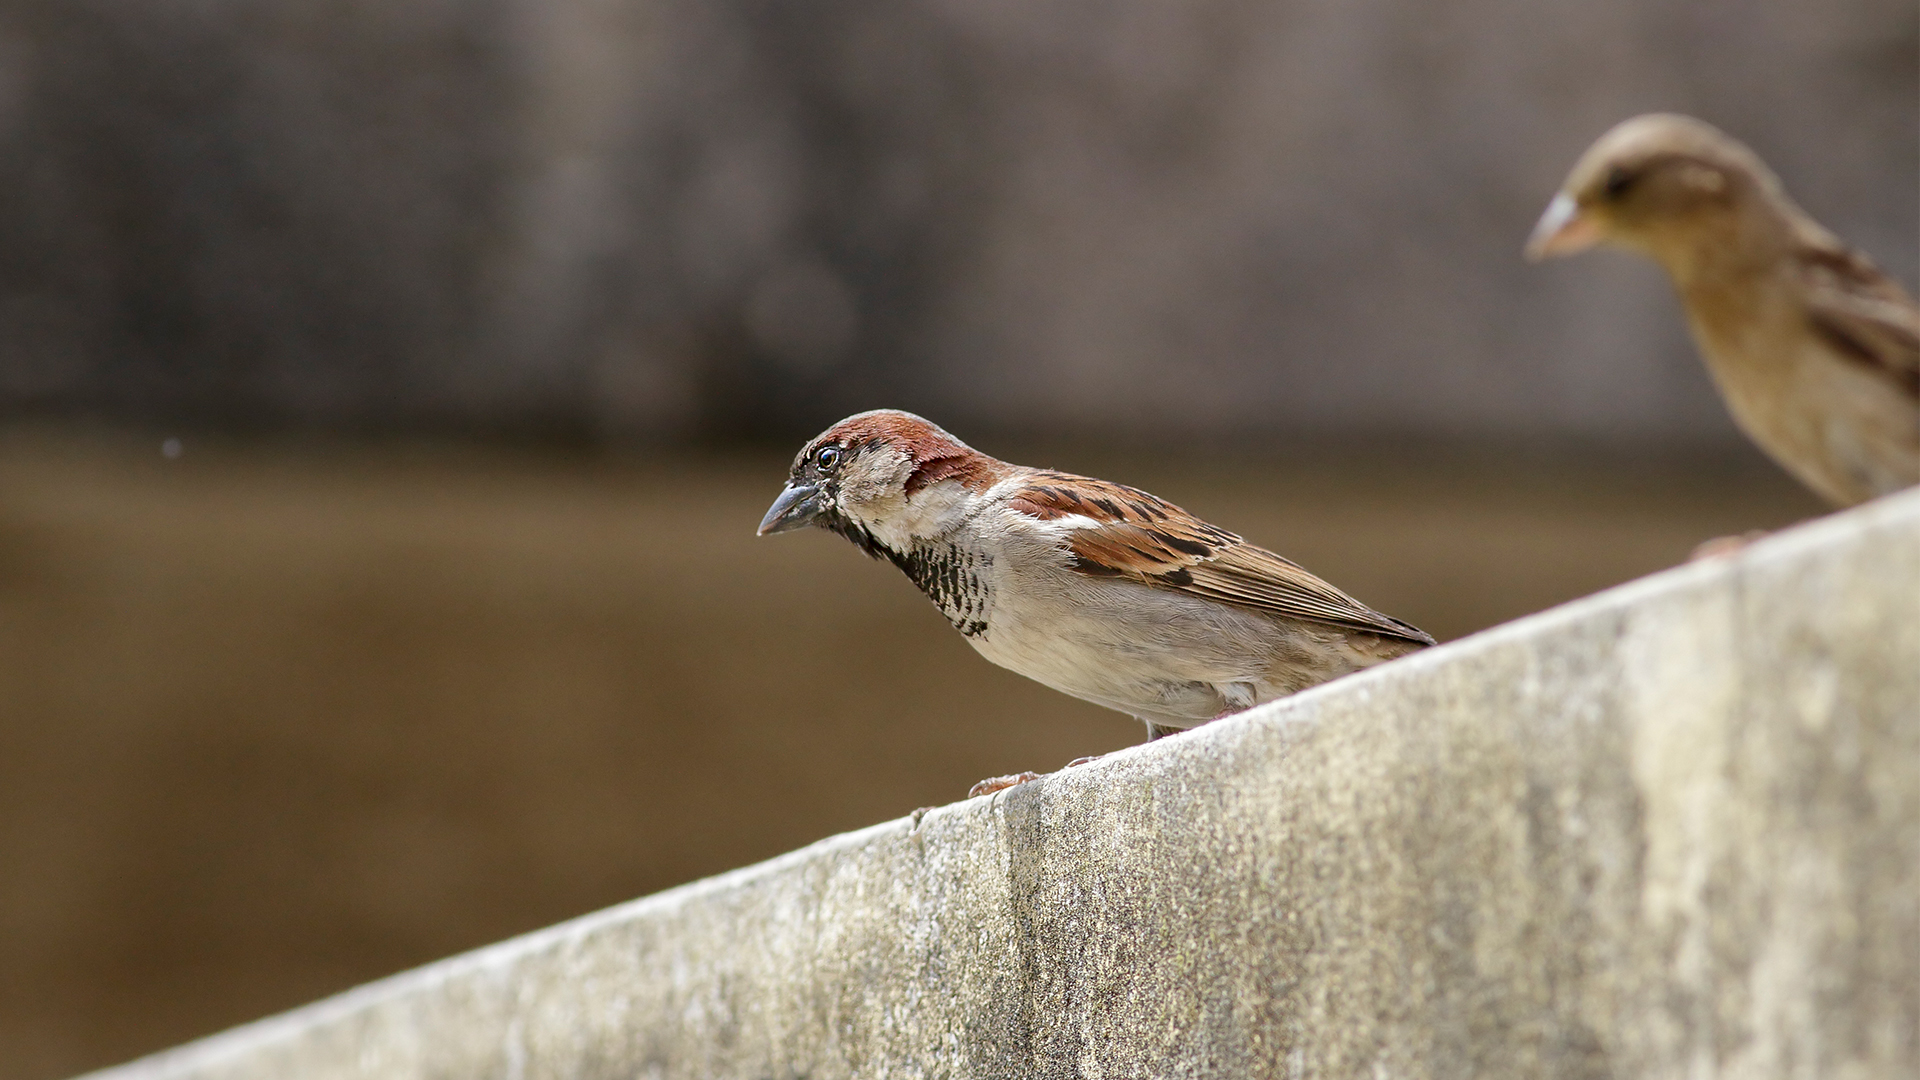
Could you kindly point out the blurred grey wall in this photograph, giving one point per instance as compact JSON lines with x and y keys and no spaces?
{"x":649,"y":218}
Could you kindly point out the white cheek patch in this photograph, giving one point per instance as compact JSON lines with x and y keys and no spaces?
{"x":932,"y":511}
{"x":935,"y":508}
{"x":870,"y":492}
{"x":875,"y":471}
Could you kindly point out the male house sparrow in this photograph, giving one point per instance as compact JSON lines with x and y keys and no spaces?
{"x":1093,"y":588}
{"x":1816,"y":352}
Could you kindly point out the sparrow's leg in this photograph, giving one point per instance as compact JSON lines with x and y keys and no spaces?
{"x":1000,"y":783}
{"x":1154,"y":731}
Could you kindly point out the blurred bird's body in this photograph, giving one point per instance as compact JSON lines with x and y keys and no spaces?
{"x":1832,"y":404}
{"x":1098,"y":590}
{"x":1815,"y":351}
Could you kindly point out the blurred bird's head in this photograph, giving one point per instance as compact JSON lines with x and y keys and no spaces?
{"x":882,"y":479}
{"x":1671,"y":187}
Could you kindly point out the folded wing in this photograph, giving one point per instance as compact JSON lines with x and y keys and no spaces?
{"x":1861,"y":312}
{"x":1131,"y":534}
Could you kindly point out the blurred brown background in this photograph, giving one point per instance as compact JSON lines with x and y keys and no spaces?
{"x":485,"y":332}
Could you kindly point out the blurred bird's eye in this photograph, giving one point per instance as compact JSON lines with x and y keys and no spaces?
{"x":1618,"y":181}
{"x":829,"y":457}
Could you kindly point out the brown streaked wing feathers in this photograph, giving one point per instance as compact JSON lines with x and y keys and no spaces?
{"x":1152,"y":541}
{"x":1252,"y":575}
{"x":1860,"y":311}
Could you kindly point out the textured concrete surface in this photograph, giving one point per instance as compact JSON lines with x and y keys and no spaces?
{"x":279,"y":720}
{"x":1671,"y":830}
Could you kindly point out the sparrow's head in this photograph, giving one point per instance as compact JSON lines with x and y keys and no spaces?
{"x":1668,"y":186}
{"x":881,"y":478}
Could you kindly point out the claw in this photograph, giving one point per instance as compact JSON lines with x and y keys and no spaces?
{"x":1724,"y":545}
{"x":1000,"y":783}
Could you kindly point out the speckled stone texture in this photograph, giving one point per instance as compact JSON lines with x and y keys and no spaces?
{"x":1672,"y":830}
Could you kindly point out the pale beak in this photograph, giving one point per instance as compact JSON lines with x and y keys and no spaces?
{"x":796,"y":507}
{"x":1563,"y":230}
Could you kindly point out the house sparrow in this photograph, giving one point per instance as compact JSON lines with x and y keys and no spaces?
{"x":1816,"y":352}
{"x":1093,"y":588}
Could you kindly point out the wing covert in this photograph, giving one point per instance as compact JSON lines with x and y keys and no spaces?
{"x":1135,"y":535}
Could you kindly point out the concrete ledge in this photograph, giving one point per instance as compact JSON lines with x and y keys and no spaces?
{"x":1671,"y":830}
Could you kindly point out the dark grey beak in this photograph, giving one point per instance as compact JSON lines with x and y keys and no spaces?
{"x":796,"y":507}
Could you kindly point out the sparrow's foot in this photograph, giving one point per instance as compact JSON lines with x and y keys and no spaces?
{"x":1724,"y":545}
{"x":1088,"y":760}
{"x":1000,"y":783}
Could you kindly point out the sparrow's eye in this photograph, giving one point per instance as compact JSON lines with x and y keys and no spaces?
{"x":828,"y":457}
{"x":1619,"y":180}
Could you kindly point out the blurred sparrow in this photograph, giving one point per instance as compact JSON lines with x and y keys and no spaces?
{"x":1093,"y":588}
{"x":1816,"y":352}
